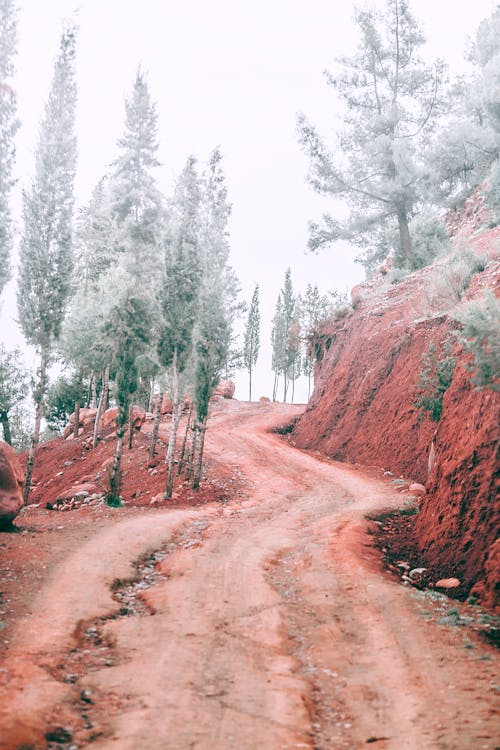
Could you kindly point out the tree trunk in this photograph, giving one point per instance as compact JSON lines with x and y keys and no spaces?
{"x":130,"y":427}
{"x":275,"y":386}
{"x":199,"y":458}
{"x":192,"y":448}
{"x":285,"y":387}
{"x":92,"y":398}
{"x":76,"y":426}
{"x":404,"y":237}
{"x":156,"y":425}
{"x":100,"y":408}
{"x":115,"y":478}
{"x":308,"y":386}
{"x":249,"y":383}
{"x":151,"y":395}
{"x":184,"y":441}
{"x":4,"y":420}
{"x":293,"y":387}
{"x":39,"y":396}
{"x":176,"y":415}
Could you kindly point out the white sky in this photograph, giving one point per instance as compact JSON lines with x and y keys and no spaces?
{"x":223,"y":73}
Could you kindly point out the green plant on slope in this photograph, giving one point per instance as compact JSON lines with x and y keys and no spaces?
{"x":434,"y":380}
{"x":480,"y":336}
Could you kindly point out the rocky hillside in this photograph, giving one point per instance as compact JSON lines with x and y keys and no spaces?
{"x":363,"y":408}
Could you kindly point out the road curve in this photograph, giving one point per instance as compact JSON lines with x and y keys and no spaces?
{"x":270,"y":624}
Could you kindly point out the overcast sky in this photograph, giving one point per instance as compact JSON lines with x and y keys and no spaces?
{"x":223,"y":73}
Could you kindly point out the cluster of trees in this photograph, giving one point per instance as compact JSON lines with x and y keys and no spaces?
{"x":295,"y":321}
{"x":137,"y":294}
{"x":411,"y":143}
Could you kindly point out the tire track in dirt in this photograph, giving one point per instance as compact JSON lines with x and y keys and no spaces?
{"x":274,"y":630}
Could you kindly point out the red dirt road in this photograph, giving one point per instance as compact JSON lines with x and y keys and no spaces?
{"x":266,"y":623}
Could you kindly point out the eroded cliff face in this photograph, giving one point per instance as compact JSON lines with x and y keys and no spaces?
{"x":363,"y":410}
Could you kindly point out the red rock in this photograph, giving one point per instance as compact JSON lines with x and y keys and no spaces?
{"x":109,"y":416}
{"x":264,"y":400}
{"x":11,"y":483}
{"x":225,"y":388}
{"x":416,"y":487}
{"x":447,"y":583}
{"x":166,"y":405}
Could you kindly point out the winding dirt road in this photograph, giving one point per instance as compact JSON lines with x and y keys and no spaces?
{"x":263,"y":624}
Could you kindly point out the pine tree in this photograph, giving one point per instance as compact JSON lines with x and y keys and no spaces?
{"x":392,"y":105}
{"x":128,"y":331}
{"x":291,"y":342}
{"x":136,"y":204}
{"x":13,"y":387}
{"x":252,"y":338}
{"x":314,"y":308}
{"x":8,"y":128}
{"x":278,"y":343}
{"x":46,"y":248}
{"x":180,"y":295}
{"x":217,"y":298}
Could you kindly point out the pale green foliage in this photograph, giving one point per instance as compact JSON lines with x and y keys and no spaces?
{"x":434,"y":379}
{"x":286,"y":336}
{"x":46,"y":248}
{"x":314,"y":309}
{"x":450,"y":280}
{"x":8,"y":128}
{"x":135,"y":202}
{"x":94,"y":239}
{"x":13,"y":386}
{"x":480,"y":336}
{"x":252,"y":338}
{"x":391,"y":100}
{"x":429,"y":241}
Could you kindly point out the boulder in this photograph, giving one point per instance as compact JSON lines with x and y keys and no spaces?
{"x":138,"y":417}
{"x":109,"y":416}
{"x":417,"y":487}
{"x":447,"y":583}
{"x":225,"y":388}
{"x":86,"y":488}
{"x":166,"y":405}
{"x":11,"y":482}
{"x":86,"y":417}
{"x":264,"y":400}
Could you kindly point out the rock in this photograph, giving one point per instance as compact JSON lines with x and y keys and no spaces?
{"x":78,"y":490}
{"x":447,"y":583}
{"x":109,"y":416}
{"x":417,"y":487}
{"x":225,"y":388}
{"x":11,"y":483}
{"x":157,"y":499}
{"x":416,"y":572}
{"x":166,"y":405}
{"x":264,"y":400}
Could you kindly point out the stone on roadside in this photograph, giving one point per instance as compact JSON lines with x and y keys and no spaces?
{"x":447,"y":583}
{"x":417,"y":487}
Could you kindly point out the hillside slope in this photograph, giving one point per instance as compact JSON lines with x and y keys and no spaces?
{"x":363,"y":410}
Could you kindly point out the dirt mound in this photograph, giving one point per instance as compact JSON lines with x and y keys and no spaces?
{"x":363,"y":411}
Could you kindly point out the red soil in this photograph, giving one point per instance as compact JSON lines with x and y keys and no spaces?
{"x":363,"y":411}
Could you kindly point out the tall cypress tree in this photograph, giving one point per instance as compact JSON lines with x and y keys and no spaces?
{"x":46,"y":258}
{"x":252,"y":338}
{"x":180,"y":295}
{"x":8,"y":127}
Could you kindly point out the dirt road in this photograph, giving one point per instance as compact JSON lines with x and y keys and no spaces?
{"x":265,"y":623}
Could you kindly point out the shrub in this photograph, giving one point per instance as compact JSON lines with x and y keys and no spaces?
{"x":480,"y":336}
{"x":434,"y":380}
{"x":429,"y":240}
{"x":451,"y":280}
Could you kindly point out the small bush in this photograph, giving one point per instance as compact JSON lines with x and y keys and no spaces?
{"x":449,"y":282}
{"x":480,"y":336}
{"x":434,"y":380}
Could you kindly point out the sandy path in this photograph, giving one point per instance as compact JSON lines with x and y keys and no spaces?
{"x":272,"y":628}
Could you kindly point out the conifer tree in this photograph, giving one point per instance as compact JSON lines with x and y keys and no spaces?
{"x":136,"y":204}
{"x":278,"y":342}
{"x":46,"y":248}
{"x":217,"y":299}
{"x":179,"y":295}
{"x":392,"y":104}
{"x":252,"y":338}
{"x":8,"y":127}
{"x":13,"y":387}
{"x":314,"y":308}
{"x":128,"y":331}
